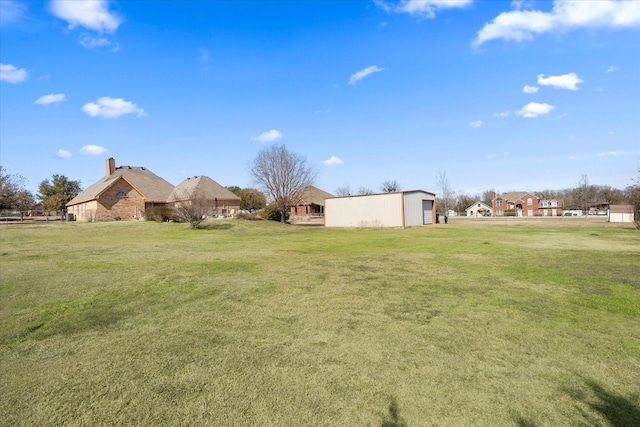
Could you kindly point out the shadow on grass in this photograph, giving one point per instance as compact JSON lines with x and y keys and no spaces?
{"x":215,"y":225}
{"x":521,"y":422}
{"x":603,"y":405}
{"x":618,"y":410}
{"x":393,"y":418}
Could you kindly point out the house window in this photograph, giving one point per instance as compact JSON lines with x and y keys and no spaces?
{"x":499,"y":202}
{"x":529,"y":201}
{"x":121,"y":194}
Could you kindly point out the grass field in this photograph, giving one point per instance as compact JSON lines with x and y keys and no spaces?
{"x":474,"y":323}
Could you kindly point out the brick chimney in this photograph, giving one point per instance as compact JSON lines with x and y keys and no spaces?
{"x":111,"y":166}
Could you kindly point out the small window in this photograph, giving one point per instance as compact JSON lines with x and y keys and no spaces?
{"x":499,"y":202}
{"x":121,"y":194}
{"x":529,"y":201}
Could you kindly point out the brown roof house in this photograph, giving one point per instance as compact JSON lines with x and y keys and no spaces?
{"x":124,"y":193}
{"x":310,"y":202}
{"x":515,"y":203}
{"x":214,"y":199}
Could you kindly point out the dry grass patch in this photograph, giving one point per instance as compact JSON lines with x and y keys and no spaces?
{"x":256,"y":323}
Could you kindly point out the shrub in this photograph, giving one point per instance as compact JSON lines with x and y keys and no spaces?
{"x":272,"y":213}
{"x":250,"y":216}
{"x":160,"y":214}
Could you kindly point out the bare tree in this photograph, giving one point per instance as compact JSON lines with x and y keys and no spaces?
{"x":584,"y":194}
{"x":363,"y":191}
{"x":447,"y":195}
{"x":343,"y":190}
{"x":633,"y":196}
{"x":192,"y":209}
{"x":281,"y":174}
{"x":390,"y":186}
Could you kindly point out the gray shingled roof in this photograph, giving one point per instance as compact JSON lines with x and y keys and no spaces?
{"x":313,"y":195}
{"x":513,"y":196}
{"x":153,"y":188}
{"x":195,"y":187}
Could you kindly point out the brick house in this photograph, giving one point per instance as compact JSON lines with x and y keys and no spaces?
{"x":218,"y":200}
{"x":551,"y":207}
{"x":124,"y":193}
{"x":310,"y":202}
{"x":520,"y":203}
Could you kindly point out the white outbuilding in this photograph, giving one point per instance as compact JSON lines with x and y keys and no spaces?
{"x":399,"y":209}
{"x":621,"y":213}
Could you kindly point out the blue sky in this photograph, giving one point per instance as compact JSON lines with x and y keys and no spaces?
{"x":509,"y":95}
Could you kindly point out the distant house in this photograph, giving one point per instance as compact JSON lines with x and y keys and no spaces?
{"x":400,"y":209}
{"x":124,"y":193}
{"x":621,"y":213}
{"x":517,"y":203}
{"x":550,"y":207}
{"x":218,"y":200}
{"x":479,"y":208}
{"x":310,"y":202}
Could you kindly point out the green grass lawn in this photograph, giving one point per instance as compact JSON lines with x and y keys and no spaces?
{"x":241,"y":323}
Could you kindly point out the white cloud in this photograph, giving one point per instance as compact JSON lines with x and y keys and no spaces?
{"x":269,"y":136}
{"x":91,"y":42}
{"x":110,"y":108}
{"x":502,"y":114}
{"x":612,"y":69}
{"x":50,"y":99}
{"x":476,"y":124}
{"x":422,"y":8}
{"x":11,"y":11}
{"x":522,"y":4}
{"x":530,"y":89}
{"x":611,"y":153}
{"x":91,"y":14}
{"x":63,"y":154}
{"x":333,"y":160}
{"x":364,"y":73}
{"x":92,"y":150}
{"x":566,"y":81}
{"x":12,"y":74}
{"x":534,"y":109}
{"x":519,"y":25}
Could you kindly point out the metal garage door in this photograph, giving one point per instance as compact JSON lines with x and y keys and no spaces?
{"x":427,"y":207}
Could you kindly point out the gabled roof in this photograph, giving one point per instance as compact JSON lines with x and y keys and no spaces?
{"x":514,"y":196}
{"x":198,"y":187}
{"x":313,"y":195}
{"x":486,"y":205}
{"x":151,"y":186}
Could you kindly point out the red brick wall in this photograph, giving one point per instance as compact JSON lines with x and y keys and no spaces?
{"x":113,"y":206}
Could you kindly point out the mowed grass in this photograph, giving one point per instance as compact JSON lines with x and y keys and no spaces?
{"x":242,"y":323}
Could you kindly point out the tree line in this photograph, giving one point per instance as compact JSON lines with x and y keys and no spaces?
{"x":280,"y":174}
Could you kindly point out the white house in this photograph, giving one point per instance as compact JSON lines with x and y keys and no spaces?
{"x":399,"y":209}
{"x":479,"y":208}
